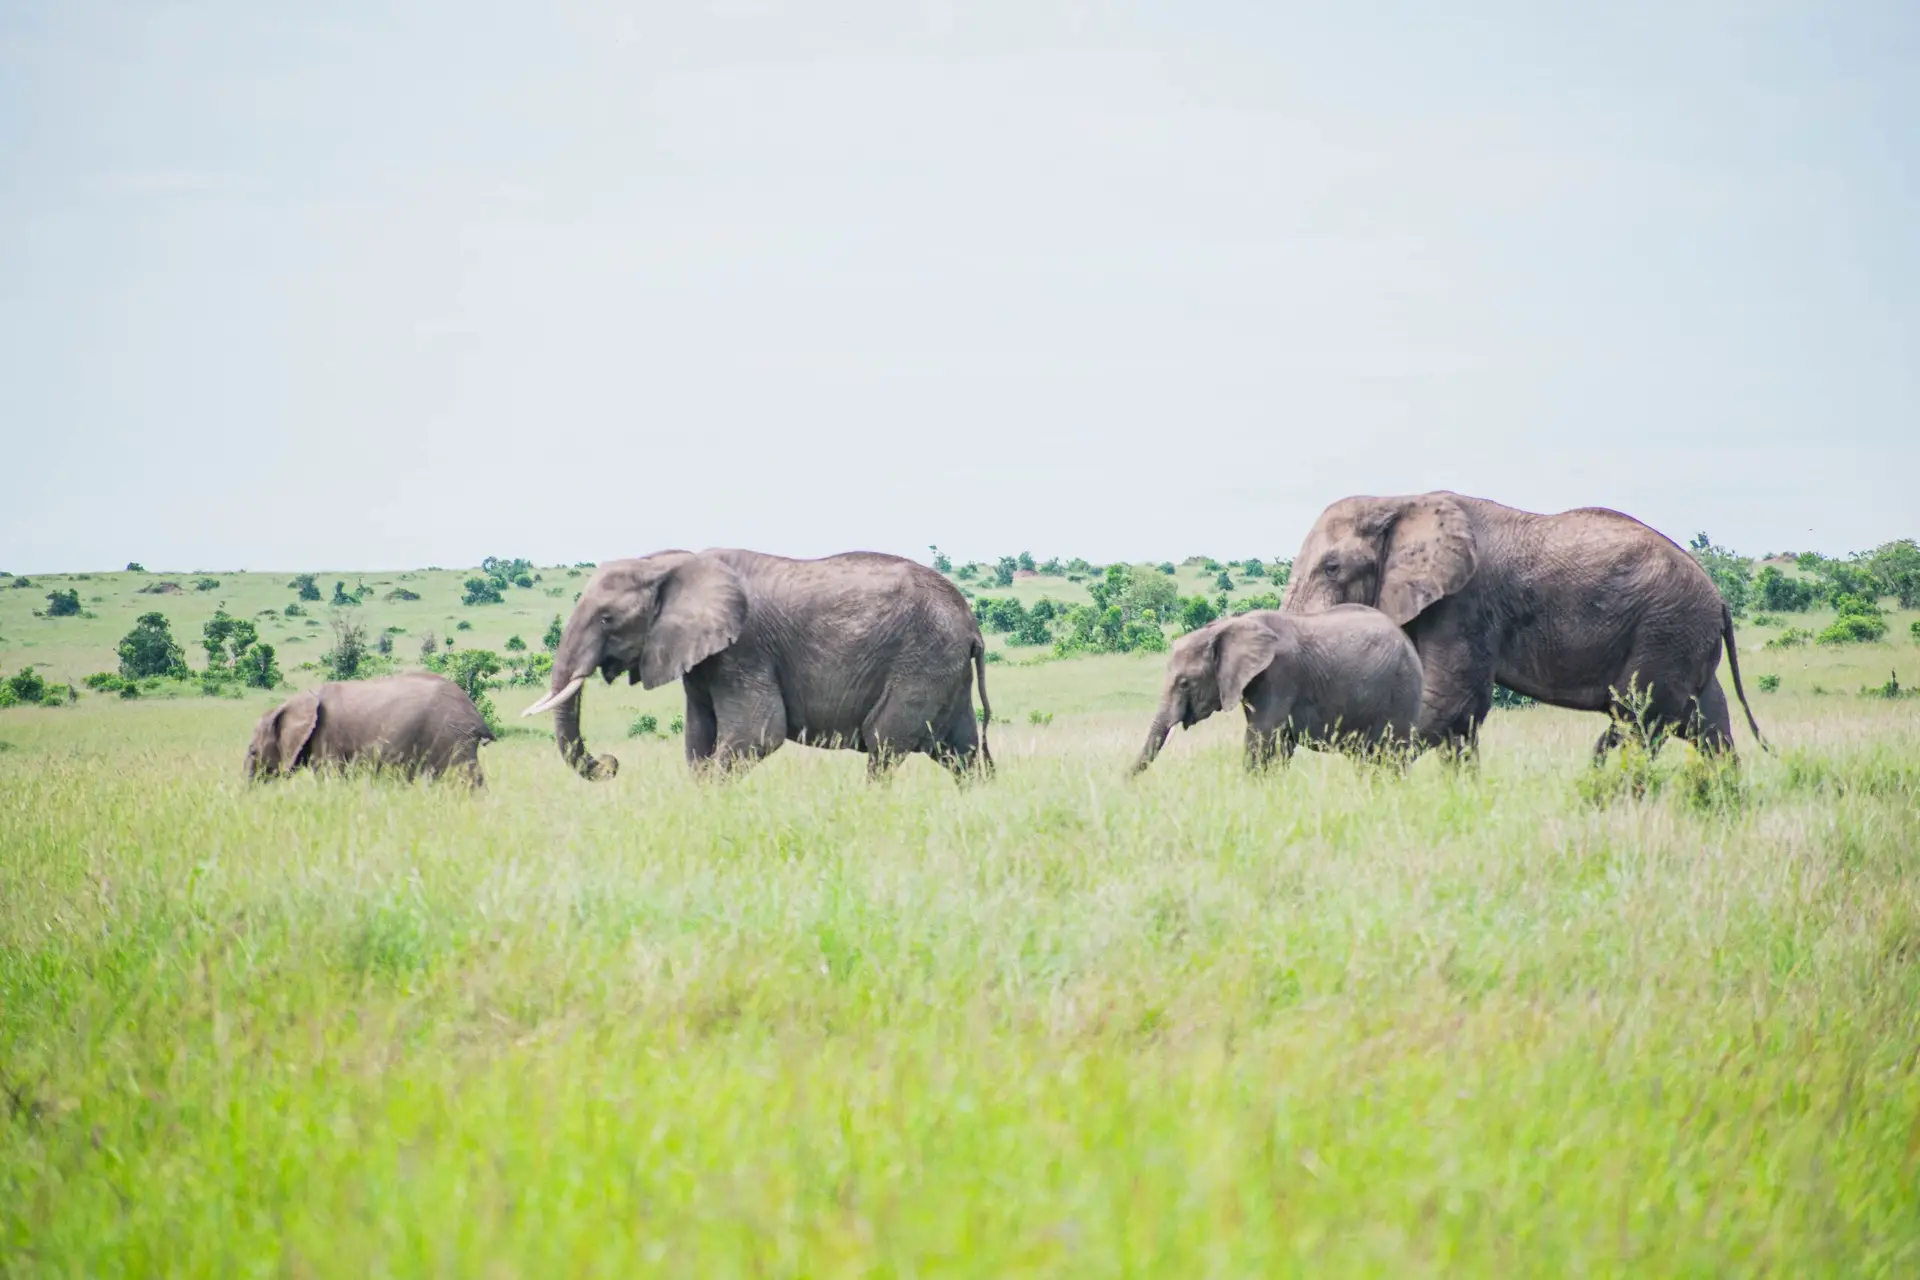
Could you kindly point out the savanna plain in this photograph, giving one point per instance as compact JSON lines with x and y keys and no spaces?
{"x":1526,"y":1018}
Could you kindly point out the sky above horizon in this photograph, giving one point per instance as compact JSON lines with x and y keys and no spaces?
{"x":292,"y":287}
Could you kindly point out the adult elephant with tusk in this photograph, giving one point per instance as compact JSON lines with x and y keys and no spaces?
{"x":862,"y":651}
{"x":1588,"y":609}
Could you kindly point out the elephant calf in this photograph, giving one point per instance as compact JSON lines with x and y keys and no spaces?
{"x":1347,"y":678}
{"x":416,"y":723}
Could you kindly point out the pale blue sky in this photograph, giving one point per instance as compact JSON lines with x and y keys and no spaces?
{"x":354,"y":285}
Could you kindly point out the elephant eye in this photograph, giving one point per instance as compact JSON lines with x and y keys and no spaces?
{"x":1331,"y":565}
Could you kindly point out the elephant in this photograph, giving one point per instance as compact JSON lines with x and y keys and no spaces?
{"x":1588,"y":609}
{"x":861,"y":651}
{"x":1347,"y":679}
{"x":416,"y":723}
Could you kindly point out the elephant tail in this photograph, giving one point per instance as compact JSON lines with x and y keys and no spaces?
{"x":986,"y":708}
{"x":1733,"y":664}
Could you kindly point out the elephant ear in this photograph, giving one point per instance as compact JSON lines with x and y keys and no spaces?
{"x":293,"y":729}
{"x":1429,"y":556}
{"x":700,"y":610}
{"x":1244,"y":649}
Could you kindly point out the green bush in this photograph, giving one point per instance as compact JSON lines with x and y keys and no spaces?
{"x":134,"y":566}
{"x":1791,"y":638}
{"x":63,"y":604}
{"x":1224,"y":582}
{"x":942,"y":562}
{"x":306,"y":586}
{"x":104,"y":682}
{"x":1004,"y":570}
{"x":1859,"y":621}
{"x":1913,"y":629}
{"x":206,"y":584}
{"x":463,"y":625}
{"x":677,"y":724}
{"x":1769,"y":683}
{"x":1253,"y":569}
{"x":400,"y":594}
{"x":1024,"y":562}
{"x":25,"y":687}
{"x":1895,"y":567}
{"x":1196,"y":612}
{"x":256,"y":667}
{"x":1765,"y":620}
{"x":1052,"y":568}
{"x":1777,"y":593}
{"x":515,"y":644}
{"x":551,"y":640}
{"x":531,"y":671}
{"x":149,"y":650}
{"x":481,"y":591}
{"x":644,"y":726}
{"x":348,"y":658}
{"x":1265,"y":600}
{"x":1732,"y":574}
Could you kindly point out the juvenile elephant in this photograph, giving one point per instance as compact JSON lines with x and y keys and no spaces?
{"x":415,"y":723}
{"x":1570,"y":609}
{"x":862,"y":651}
{"x":1345,"y":678}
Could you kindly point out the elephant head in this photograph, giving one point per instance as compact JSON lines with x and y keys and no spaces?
{"x":1399,"y":555}
{"x":1208,"y":670}
{"x":280,"y":738}
{"x":655,"y":619}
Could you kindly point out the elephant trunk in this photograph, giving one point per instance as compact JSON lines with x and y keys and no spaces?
{"x":566,"y":732}
{"x":1156,"y":738}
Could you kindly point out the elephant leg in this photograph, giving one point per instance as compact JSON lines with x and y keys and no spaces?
{"x":961,"y":748}
{"x":1710,"y":727}
{"x":1263,"y":746}
{"x":702,"y":729}
{"x":1607,"y":742}
{"x":1455,"y":695}
{"x":750,"y":722}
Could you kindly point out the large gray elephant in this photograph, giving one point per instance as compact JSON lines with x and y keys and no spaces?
{"x":1347,"y":678}
{"x":416,"y":723}
{"x":861,"y":651}
{"x":1578,"y":609}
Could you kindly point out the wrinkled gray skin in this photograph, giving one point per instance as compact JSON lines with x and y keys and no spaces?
{"x":416,"y":723}
{"x":861,"y":651}
{"x":1346,"y":678}
{"x":1564,"y":608}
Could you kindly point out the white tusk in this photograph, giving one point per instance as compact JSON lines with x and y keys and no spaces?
{"x":555,"y":698}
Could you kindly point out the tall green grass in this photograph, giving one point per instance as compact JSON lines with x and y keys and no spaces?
{"x":1495,"y":1021}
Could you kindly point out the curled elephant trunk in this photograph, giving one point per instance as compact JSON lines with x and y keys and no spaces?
{"x":564,"y":702}
{"x":1156,"y":738}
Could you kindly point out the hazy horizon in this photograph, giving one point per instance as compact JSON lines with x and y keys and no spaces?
{"x":386,"y":290}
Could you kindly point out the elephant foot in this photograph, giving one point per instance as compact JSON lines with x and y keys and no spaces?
{"x":601,"y":768}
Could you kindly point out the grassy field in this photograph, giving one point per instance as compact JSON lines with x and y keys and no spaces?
{"x":1496,"y":1021}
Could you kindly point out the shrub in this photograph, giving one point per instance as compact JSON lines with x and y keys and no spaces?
{"x":515,"y":644}
{"x":942,"y":562}
{"x":383,"y":644}
{"x":306,"y":586}
{"x":1791,"y":638}
{"x":22,"y":581}
{"x":349,"y":652}
{"x":1765,"y":619}
{"x":481,"y":591}
{"x":149,"y":650}
{"x":531,"y":671}
{"x":295,"y":611}
{"x":104,"y":682}
{"x":1859,"y":621}
{"x":134,"y":566}
{"x":463,"y":625}
{"x":1769,"y":684}
{"x":1777,"y":593}
{"x":256,"y":667}
{"x":677,"y":724}
{"x":428,"y":646}
{"x":1731,"y":574}
{"x":1895,"y":567}
{"x":225,"y":639}
{"x":551,"y":640}
{"x":1913,"y":628}
{"x":63,"y":604}
{"x":26,"y":687}
{"x":644,"y":726}
{"x":1196,"y":612}
{"x":1051,"y":568}
{"x":1507,"y":699}
{"x":341,"y":598}
{"x":1224,"y":582}
{"x":523,"y":580}
{"x":1004,"y":570}
{"x":1039,"y":717}
{"x":206,"y":584}
{"x":1253,"y":569}
{"x":471,"y":669}
{"x":1265,"y":600}
{"x":401,"y":593}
